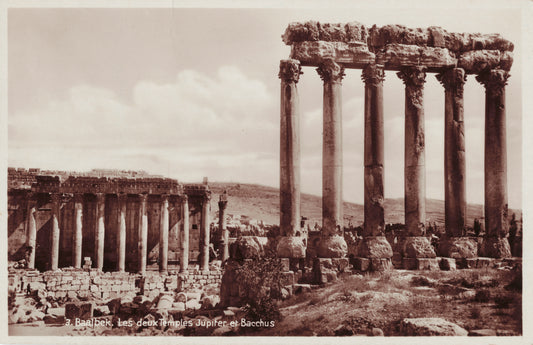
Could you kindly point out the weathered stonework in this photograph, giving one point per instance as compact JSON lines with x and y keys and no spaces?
{"x":458,"y":247}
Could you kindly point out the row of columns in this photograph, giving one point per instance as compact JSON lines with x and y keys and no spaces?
{"x":332,"y":244}
{"x":100,"y":232}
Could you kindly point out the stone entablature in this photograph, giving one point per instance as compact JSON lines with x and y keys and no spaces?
{"x":355,"y":45}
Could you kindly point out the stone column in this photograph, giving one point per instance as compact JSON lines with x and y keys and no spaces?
{"x":122,"y":204}
{"x":496,"y":243}
{"x":415,"y":245}
{"x":290,"y":245}
{"x":78,"y":231}
{"x":332,"y":244}
{"x":374,"y":244}
{"x":454,"y":244}
{"x":31,"y":236}
{"x":184,"y":262}
{"x":56,"y":207}
{"x":205,"y":234}
{"x":224,"y":233}
{"x":100,"y":230}
{"x":143,"y":233}
{"x":163,"y":235}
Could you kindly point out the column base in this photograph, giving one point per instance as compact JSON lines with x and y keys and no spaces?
{"x":417,"y":247}
{"x":332,"y":247}
{"x":431,"y":264}
{"x":458,"y":247}
{"x":291,"y":247}
{"x":375,"y":264}
{"x":496,"y":247}
{"x":375,"y":248}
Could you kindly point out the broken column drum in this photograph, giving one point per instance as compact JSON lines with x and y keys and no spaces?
{"x":413,"y":53}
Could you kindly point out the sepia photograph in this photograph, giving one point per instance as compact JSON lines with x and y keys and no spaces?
{"x":270,"y":170}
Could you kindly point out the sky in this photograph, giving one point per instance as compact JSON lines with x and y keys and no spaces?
{"x":194,"y":92}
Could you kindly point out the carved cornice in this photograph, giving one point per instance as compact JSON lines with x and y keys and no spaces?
{"x":413,"y":76}
{"x":290,"y":70}
{"x":494,"y":81}
{"x":330,"y":71}
{"x":452,"y":79}
{"x":373,"y":75}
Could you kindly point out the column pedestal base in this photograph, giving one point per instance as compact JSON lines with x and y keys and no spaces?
{"x":417,"y":247}
{"x":458,"y":247}
{"x":332,"y":247}
{"x":327,"y":269}
{"x":496,"y":247}
{"x":291,"y":247}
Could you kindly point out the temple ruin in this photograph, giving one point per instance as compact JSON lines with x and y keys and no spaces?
{"x":413,"y":53}
{"x":113,"y":222}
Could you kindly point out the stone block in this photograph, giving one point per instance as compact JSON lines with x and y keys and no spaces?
{"x":291,"y":247}
{"x":397,"y":260}
{"x":431,"y":264}
{"x":417,"y":247}
{"x":380,"y":264}
{"x":458,"y":247}
{"x":81,"y":310}
{"x":466,"y":263}
{"x":361,"y":264}
{"x":340,"y":263}
{"x":352,"y":55}
{"x":430,"y":327}
{"x":484,"y":262}
{"x":375,"y":248}
{"x":447,"y":264}
{"x":287,"y":278}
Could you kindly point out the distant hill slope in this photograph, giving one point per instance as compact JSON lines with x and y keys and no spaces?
{"x":262,"y":203}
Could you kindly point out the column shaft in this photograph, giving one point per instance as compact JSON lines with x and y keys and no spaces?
{"x":374,"y":213}
{"x":56,"y":208}
{"x":415,"y":172}
{"x":143,"y":233}
{"x":224,"y":233}
{"x":205,"y":234}
{"x":78,"y":230}
{"x":122,"y":204}
{"x":100,"y":230}
{"x":333,"y":243}
{"x":163,"y":235}
{"x":496,"y":209}
{"x":184,"y":261}
{"x":31,"y":238}
{"x":454,"y":152}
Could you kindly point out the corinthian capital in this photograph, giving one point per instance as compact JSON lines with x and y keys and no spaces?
{"x":330,"y":71}
{"x":373,"y":74}
{"x":413,"y":76}
{"x":452,"y":79}
{"x":290,"y":70}
{"x":494,"y":81}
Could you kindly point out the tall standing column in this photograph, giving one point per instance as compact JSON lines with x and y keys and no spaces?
{"x":332,"y":244}
{"x":122,"y":205}
{"x":56,"y":207}
{"x":205,"y":233}
{"x":454,"y":245}
{"x":78,"y":230}
{"x":184,"y":261}
{"x":374,"y":245}
{"x":143,"y":233}
{"x":100,"y":230}
{"x":416,"y":245}
{"x":224,"y":233}
{"x":496,"y":243}
{"x":290,"y":245}
{"x":163,"y":235}
{"x":31,"y":236}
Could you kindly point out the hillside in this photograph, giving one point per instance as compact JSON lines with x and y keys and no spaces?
{"x":262,"y":203}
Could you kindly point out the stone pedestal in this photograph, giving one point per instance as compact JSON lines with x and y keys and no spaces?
{"x":332,"y":243}
{"x":184,"y":260}
{"x":289,"y":245}
{"x":417,"y":247}
{"x":78,"y":231}
{"x":56,"y":208}
{"x":454,"y":152}
{"x":100,"y":230}
{"x":327,"y":269}
{"x":143,"y":232}
{"x":163,"y":235}
{"x":496,"y":243}
{"x":31,"y":237}
{"x":122,"y":207}
{"x":458,"y":247}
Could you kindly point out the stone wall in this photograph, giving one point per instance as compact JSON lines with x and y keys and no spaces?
{"x":79,"y":284}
